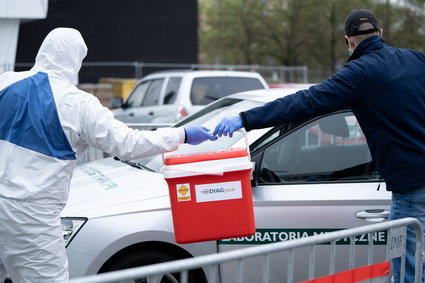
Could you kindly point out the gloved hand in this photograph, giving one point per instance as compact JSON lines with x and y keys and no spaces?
{"x":228,"y":125}
{"x":196,"y":134}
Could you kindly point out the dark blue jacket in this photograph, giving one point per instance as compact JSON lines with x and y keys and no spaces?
{"x":385,"y":88}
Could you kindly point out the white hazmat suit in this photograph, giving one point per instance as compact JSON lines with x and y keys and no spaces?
{"x":46,"y":124}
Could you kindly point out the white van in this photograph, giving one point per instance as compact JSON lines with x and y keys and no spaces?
{"x":163,"y":98}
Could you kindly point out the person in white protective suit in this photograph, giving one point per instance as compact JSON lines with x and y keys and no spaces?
{"x":46,"y":125}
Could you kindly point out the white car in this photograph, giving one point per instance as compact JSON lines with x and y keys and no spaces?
{"x":310,"y":177}
{"x":165,"y":97}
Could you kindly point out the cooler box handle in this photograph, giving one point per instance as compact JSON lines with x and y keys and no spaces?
{"x":242,"y":130}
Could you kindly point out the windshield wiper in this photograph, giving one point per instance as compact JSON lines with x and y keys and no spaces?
{"x":135,"y":165}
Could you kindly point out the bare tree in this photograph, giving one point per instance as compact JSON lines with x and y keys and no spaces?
{"x":298,"y":32}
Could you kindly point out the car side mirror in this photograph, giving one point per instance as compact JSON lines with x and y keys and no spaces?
{"x":117,"y":102}
{"x":254,"y":174}
{"x":254,"y":179}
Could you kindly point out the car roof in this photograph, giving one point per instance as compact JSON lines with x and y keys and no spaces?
{"x":201,"y":73}
{"x":266,"y":95}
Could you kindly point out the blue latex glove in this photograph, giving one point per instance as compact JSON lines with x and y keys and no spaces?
{"x":196,"y":134}
{"x":228,"y":125}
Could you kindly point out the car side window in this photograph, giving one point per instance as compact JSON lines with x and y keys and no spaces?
{"x":267,"y":138}
{"x":172,"y":90}
{"x":137,"y":95}
{"x":329,"y":149}
{"x":153,"y":92}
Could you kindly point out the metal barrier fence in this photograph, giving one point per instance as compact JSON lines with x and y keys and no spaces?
{"x":91,"y":72}
{"x":395,"y":248}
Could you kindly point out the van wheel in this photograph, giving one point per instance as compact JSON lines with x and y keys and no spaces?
{"x":141,"y":258}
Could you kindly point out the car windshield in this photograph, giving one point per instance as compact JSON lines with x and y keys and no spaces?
{"x":208,"y":117}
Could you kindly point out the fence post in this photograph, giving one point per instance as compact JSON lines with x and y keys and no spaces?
{"x":419,"y":253}
{"x":305,"y":72}
{"x":139,"y":70}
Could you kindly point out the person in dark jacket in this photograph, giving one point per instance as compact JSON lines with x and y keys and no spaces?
{"x":385,"y":88}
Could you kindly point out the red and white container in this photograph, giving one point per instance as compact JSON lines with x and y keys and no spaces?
{"x":210,"y":195}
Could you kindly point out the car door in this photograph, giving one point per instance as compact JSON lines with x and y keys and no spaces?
{"x":142,"y":102}
{"x":170,"y":109}
{"x":312,"y":178}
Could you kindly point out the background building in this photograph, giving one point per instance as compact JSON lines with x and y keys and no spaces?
{"x":12,"y":14}
{"x":160,"y":31}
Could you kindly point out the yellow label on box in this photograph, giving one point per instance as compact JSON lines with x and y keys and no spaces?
{"x":183,"y":192}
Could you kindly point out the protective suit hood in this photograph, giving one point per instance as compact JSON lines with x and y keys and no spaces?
{"x":61,"y":54}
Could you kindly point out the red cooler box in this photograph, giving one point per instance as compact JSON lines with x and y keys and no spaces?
{"x":210,"y":195}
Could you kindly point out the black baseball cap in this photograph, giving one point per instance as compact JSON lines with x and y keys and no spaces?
{"x":358,"y":17}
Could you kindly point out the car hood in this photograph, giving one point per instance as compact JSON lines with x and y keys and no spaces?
{"x":107,"y":187}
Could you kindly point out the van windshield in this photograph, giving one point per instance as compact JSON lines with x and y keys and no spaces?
{"x":206,"y":90}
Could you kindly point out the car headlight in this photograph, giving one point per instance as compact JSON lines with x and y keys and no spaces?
{"x":70,"y":227}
